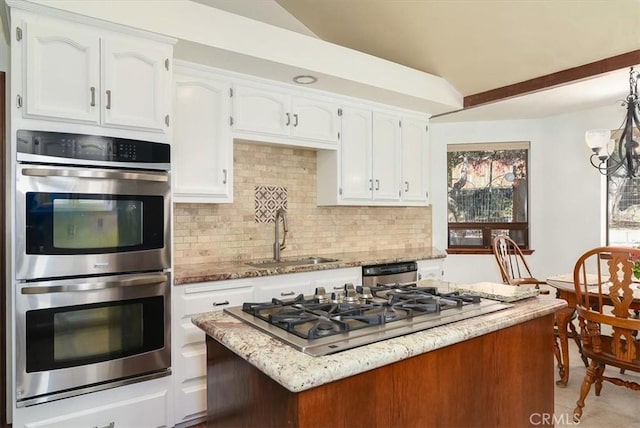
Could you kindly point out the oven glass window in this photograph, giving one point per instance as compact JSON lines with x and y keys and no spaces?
{"x":71,"y":223}
{"x":97,"y":223}
{"x":77,"y":335}
{"x":88,"y":333}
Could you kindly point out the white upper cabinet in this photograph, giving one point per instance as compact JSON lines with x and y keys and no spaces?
{"x":382,"y":160}
{"x":279,"y":116}
{"x":315,"y":119}
{"x":77,"y":73}
{"x":137,"y":83}
{"x":202,"y":143}
{"x":415,"y":160}
{"x":386,"y":157}
{"x":62,"y":72}
{"x":355,"y":155}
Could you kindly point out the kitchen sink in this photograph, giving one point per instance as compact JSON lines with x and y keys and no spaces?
{"x":293,"y":262}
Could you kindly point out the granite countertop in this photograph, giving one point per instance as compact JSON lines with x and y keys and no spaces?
{"x":297,"y":371}
{"x":189,"y":274}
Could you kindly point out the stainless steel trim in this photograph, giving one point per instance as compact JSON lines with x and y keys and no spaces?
{"x":55,"y":160}
{"x":67,"y":394}
{"x":89,"y":173}
{"x":354,"y":338}
{"x":108,"y":107}
{"x":130,"y":282}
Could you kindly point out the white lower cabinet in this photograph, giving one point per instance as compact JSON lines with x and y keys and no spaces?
{"x":189,"y":352}
{"x":143,"y":404}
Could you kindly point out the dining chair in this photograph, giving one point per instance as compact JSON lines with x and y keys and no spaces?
{"x":608,"y":326}
{"x":515,"y":271}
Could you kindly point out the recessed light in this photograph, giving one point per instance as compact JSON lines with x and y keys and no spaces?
{"x":305,"y":79}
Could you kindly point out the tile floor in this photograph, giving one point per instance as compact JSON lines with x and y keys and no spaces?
{"x":616,"y":406}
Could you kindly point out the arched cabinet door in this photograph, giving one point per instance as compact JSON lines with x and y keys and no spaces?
{"x":61,"y":72}
{"x":137,"y":83}
{"x":202,"y":143}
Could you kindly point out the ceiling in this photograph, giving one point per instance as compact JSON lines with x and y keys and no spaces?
{"x":478,"y":45}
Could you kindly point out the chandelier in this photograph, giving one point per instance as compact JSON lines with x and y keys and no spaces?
{"x":621,"y":157}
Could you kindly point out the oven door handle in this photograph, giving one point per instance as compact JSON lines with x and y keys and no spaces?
{"x":87,"y":173}
{"x":132,"y":282}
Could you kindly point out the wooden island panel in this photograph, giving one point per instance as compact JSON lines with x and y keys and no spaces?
{"x":495,"y":380}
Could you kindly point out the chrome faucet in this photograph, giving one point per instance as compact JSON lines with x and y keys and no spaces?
{"x":277,"y":246}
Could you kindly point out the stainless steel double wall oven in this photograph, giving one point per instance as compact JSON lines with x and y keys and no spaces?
{"x":92,"y":259}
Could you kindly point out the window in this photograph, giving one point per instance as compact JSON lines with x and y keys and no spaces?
{"x":487,"y":195}
{"x":623,"y":205}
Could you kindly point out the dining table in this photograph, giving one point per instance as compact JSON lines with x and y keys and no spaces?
{"x":565,"y":290}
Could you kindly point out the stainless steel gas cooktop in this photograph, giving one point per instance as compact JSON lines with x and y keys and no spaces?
{"x":325,"y":323}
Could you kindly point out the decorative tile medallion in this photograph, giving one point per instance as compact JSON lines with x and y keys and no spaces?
{"x":267,"y":201}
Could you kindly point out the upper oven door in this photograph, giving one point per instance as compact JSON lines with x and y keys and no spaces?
{"x":84,"y":221}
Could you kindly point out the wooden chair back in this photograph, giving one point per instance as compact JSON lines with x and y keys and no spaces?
{"x":511,"y":262}
{"x":605,"y":296}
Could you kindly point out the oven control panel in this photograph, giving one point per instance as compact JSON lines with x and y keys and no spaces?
{"x":91,"y":147}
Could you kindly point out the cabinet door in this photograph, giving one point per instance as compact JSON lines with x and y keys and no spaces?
{"x":137,"y":83}
{"x":315,"y":120}
{"x":355,"y":151}
{"x":189,"y":349}
{"x":62,"y":72}
{"x":261,"y":111}
{"x":202,"y":145}
{"x":415,"y":160}
{"x":386,"y":157}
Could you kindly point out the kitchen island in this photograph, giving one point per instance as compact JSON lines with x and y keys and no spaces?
{"x":494,"y":370}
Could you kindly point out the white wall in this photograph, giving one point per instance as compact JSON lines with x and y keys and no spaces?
{"x":4,"y":49}
{"x":566,"y":192}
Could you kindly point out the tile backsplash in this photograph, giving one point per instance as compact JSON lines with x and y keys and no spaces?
{"x":206,"y":233}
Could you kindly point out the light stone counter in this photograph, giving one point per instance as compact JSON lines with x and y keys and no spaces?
{"x":297,"y":371}
{"x":189,"y":274}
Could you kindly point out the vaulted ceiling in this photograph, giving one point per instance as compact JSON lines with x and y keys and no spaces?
{"x":487,"y":49}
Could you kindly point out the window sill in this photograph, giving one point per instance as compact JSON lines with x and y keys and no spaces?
{"x":470,"y":251}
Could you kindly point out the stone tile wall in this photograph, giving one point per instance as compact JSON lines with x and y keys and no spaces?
{"x":205,"y":233}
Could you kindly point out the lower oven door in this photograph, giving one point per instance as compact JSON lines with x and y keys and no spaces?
{"x":80,"y":335}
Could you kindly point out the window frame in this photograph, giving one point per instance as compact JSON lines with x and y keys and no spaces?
{"x":488,"y":228}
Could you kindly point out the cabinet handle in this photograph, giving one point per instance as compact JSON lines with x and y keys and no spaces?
{"x":110,"y":425}
{"x":224,"y":174}
{"x":226,"y":302}
{"x":295,"y":117}
{"x":166,"y":120}
{"x":288,"y":119}
{"x":406,"y":186}
{"x":290,"y":293}
{"x":419,"y":276}
{"x":377,"y":184}
{"x":338,"y":288}
{"x":370,"y":184}
{"x":93,"y":96}
{"x":108,"y":107}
